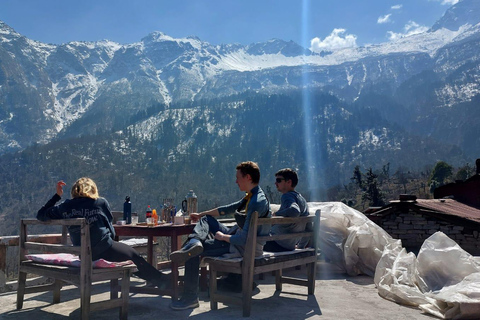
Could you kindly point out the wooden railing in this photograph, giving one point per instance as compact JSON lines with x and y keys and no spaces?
{"x":9,"y":260}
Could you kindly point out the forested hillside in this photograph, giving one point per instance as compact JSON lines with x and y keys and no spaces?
{"x":166,"y":152}
{"x":373,"y":187}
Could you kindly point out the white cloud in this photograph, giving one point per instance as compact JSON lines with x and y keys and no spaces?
{"x":397,"y":7}
{"x":336,"y":40}
{"x":452,"y":2}
{"x":384,"y":19}
{"x":410,"y":29}
{"x":449,"y":2}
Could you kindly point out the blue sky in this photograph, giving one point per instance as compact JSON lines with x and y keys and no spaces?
{"x":316,"y":24}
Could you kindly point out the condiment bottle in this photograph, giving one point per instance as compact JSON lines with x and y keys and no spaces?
{"x":148,"y":213}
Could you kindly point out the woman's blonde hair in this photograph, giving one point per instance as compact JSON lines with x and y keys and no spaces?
{"x":84,"y":188}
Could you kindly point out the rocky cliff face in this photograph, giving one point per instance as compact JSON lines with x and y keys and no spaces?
{"x":52,"y":91}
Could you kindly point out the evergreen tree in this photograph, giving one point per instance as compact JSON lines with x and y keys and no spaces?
{"x":464,"y":172}
{"x":357,"y":177}
{"x":402,"y":177}
{"x":372,"y":193}
{"x":441,"y":173}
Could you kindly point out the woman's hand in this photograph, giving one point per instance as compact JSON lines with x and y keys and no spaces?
{"x":60,"y":185}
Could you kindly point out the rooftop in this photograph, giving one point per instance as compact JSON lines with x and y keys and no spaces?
{"x":451,"y":207}
{"x":448,"y":207}
{"x":337,"y":296}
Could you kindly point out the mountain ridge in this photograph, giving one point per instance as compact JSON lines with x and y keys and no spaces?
{"x":162,"y":115}
{"x":64,"y":83}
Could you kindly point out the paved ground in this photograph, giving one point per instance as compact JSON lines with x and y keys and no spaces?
{"x":337,"y":296}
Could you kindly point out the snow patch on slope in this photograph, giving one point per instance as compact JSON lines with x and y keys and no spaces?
{"x":428,"y":42}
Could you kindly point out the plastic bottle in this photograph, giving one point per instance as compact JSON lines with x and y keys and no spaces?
{"x":127,"y":210}
{"x":155,"y":217}
{"x":148,"y":214}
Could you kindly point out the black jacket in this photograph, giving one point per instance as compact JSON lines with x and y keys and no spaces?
{"x":95,"y":211}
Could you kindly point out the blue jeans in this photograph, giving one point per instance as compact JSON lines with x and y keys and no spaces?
{"x":211,"y":248}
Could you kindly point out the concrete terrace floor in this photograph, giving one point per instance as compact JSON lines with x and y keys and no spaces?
{"x":337,"y":296}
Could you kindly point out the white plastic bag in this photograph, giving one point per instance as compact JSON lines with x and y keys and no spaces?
{"x":444,"y":280}
{"x":349,"y":239}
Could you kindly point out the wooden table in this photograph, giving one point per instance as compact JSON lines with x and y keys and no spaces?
{"x":164,"y":230}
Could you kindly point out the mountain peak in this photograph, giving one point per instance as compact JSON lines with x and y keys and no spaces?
{"x":277,"y":46}
{"x":464,"y":12}
{"x":157,"y":36}
{"x":6,"y":30}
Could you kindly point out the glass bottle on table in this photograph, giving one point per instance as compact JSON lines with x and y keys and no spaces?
{"x":192,"y":202}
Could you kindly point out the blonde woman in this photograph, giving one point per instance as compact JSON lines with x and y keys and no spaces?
{"x":86,"y":203}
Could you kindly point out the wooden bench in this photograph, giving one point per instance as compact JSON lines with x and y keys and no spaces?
{"x":83,"y":276}
{"x":248,"y":266}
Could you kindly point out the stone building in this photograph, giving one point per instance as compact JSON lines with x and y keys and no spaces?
{"x":414,"y":220}
{"x":455,"y":211}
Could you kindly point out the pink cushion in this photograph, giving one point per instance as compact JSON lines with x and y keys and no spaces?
{"x":70,"y":260}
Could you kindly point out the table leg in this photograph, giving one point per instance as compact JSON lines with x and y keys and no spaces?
{"x":175,"y":234}
{"x":176,"y":240}
{"x":174,"y":246}
{"x":150,"y":250}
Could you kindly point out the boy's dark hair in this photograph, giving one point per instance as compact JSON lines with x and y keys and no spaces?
{"x":288,"y":174}
{"x":251,"y":168}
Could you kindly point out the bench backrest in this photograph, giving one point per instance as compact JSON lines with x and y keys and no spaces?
{"x":249,"y":253}
{"x":82,"y":275}
{"x":84,"y":250}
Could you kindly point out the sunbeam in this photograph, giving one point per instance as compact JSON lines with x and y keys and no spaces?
{"x":310,"y":156}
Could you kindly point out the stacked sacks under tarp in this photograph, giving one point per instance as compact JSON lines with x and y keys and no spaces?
{"x":349,"y":239}
{"x":444,"y":280}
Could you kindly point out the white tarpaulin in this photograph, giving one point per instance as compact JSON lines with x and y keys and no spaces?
{"x":349,"y":239}
{"x":443,"y":280}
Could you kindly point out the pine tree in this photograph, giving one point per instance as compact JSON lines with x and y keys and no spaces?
{"x":372,"y":193}
{"x":357,"y":177}
{"x":441,"y":173}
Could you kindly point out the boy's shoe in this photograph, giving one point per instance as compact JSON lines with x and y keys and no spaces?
{"x":191,"y":249}
{"x":185,"y":303}
{"x":161,"y":280}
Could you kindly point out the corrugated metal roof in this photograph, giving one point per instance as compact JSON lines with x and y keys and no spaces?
{"x":450,"y":207}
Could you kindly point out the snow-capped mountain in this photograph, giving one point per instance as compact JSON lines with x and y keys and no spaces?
{"x":463,"y":12}
{"x":81,"y":87}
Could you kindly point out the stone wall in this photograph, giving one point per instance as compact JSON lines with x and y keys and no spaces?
{"x":414,"y":228}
